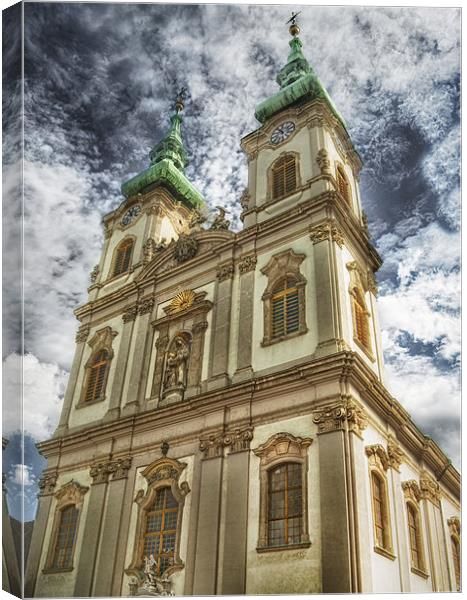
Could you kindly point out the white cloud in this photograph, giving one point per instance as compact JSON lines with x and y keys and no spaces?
{"x":22,"y":475}
{"x":43,"y":390}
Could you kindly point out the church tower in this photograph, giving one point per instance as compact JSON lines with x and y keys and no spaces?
{"x":226,"y":428}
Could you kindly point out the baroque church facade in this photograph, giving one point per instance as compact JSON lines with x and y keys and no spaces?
{"x":226,"y":427}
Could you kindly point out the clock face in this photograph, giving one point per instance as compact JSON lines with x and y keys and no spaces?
{"x":131,"y":214}
{"x":282,"y":132}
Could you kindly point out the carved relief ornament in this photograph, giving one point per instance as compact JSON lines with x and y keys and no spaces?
{"x":118,"y":469}
{"x":47,"y":484}
{"x":130,"y":313}
{"x":247,"y":263}
{"x":412,"y":490}
{"x":454,"y":525}
{"x":236,"y":440}
{"x":395,"y":454}
{"x":322,"y":158}
{"x":82,"y":334}
{"x":337,"y":416}
{"x":72,"y":493}
{"x":430,"y":488}
{"x":185,"y":248}
{"x":225,"y":271}
{"x":377,"y":456}
{"x":327,"y":231}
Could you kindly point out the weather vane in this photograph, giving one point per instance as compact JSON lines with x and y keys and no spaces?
{"x":294,"y":29}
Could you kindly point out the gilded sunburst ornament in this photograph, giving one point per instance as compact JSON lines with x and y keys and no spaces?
{"x":182,"y":301}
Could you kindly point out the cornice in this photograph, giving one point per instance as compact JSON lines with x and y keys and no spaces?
{"x":346,"y":365}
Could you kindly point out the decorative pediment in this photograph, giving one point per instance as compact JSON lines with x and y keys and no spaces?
{"x":280,"y":265}
{"x":102,"y":339}
{"x":169,"y":258}
{"x":282,"y":445}
{"x":166,"y":470}
{"x":377,"y":456}
{"x":71,"y":493}
{"x":412,"y":490}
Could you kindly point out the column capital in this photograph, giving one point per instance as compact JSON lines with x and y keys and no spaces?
{"x":47,"y":483}
{"x":247,"y":264}
{"x":130,"y":313}
{"x":327,"y":231}
{"x":82,"y":334}
{"x":430,"y":489}
{"x":336,"y":416}
{"x":118,"y":469}
{"x":225,"y":271}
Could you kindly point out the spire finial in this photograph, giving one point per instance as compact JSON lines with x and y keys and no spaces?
{"x":294,"y":29}
{"x":179,"y":103}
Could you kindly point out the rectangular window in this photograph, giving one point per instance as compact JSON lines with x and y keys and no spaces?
{"x":64,"y":544}
{"x":284,"y":504}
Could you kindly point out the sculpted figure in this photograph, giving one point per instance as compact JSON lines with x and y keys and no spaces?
{"x":220,"y":222}
{"x":176,"y":365}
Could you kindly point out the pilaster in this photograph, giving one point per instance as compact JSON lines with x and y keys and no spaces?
{"x":246,"y":269}
{"x":81,"y":337}
{"x":118,"y":471}
{"x":46,"y":486}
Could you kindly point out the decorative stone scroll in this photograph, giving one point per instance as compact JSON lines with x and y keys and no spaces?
{"x":82,"y":334}
{"x":327,"y":231}
{"x":72,"y":493}
{"x":130,"y":313}
{"x":377,"y":456}
{"x":118,"y":469}
{"x":395,"y":454}
{"x":47,"y":483}
{"x":162,"y":473}
{"x":412,"y":490}
{"x":454,"y":525}
{"x":236,"y":440}
{"x":322,"y":158}
{"x":430,"y":488}
{"x":225,"y":271}
{"x":247,"y":264}
{"x":146,"y":305}
{"x":94,"y":273}
{"x":340,"y":415}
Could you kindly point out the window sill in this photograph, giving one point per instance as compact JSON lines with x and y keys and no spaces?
{"x":52,"y":570}
{"x":298,"y":546}
{"x":419,"y":572}
{"x":384,"y":552}
{"x":283,"y":338}
{"x":90,"y":403}
{"x":364,"y":349}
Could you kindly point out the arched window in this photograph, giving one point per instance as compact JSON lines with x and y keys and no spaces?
{"x":456,"y":556}
{"x":284,"y":298}
{"x":284,"y":176}
{"x":97,"y":371}
{"x":362,"y":329}
{"x":65,"y":540}
{"x":283,"y":489}
{"x":415,"y":538}
{"x":380,"y":511}
{"x":285,"y":504}
{"x":343,"y":185}
{"x":122,"y":257}
{"x":285,"y":317}
{"x":161,"y":529}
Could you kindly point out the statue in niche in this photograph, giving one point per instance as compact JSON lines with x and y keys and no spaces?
{"x":176,"y":364}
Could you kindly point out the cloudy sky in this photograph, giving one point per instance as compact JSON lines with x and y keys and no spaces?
{"x":100,"y":83}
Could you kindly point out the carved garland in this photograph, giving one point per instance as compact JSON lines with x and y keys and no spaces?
{"x":164,"y":472}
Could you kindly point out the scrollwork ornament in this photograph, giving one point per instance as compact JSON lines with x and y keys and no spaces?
{"x":330,"y":418}
{"x":146,"y":305}
{"x":130,"y":313}
{"x":82,"y":334}
{"x":225,"y":271}
{"x":247,"y":263}
{"x":47,"y":484}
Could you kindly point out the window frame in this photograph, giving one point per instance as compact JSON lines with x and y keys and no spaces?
{"x":454,"y":526}
{"x":357,"y":293}
{"x":163,"y":473}
{"x":70,"y":495}
{"x":281,"y":267}
{"x":101,"y":341}
{"x":418,"y":568}
{"x":281,"y":449}
{"x":341,"y":176}
{"x":270,"y":176}
{"x":129,"y":239}
{"x":378,"y":465}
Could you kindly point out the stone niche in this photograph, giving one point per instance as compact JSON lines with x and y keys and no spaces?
{"x":180,"y":347}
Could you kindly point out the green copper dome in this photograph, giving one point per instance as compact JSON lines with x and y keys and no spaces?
{"x":297,"y":81}
{"x":168,"y":162}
